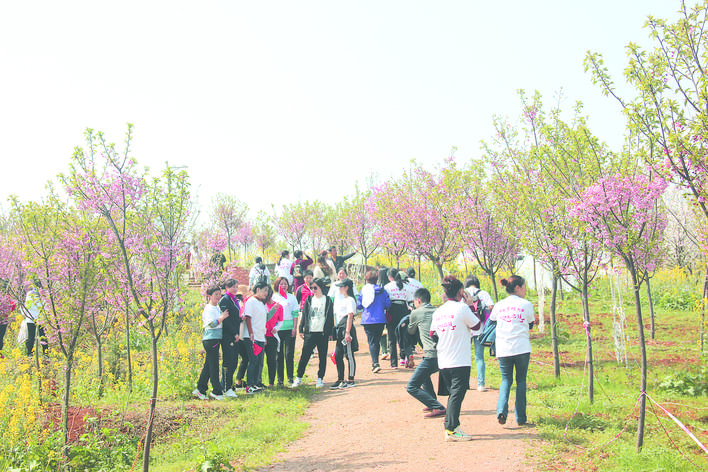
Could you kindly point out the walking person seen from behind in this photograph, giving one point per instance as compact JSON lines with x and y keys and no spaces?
{"x":514,"y":317}
{"x":453,"y":323}
{"x":487,"y":304}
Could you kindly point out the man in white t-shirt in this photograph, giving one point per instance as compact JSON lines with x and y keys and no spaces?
{"x":254,"y":315}
{"x":452,"y":324}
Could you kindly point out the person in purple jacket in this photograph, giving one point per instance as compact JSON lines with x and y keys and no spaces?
{"x":373,"y":301}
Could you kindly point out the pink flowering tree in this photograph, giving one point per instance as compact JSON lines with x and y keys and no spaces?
{"x":264,"y":232}
{"x":228,"y":217}
{"x":292,"y":224}
{"x":63,"y":249}
{"x":622,"y":214}
{"x":148,"y":225}
{"x":245,"y":237}
{"x":416,"y":211}
{"x":358,"y":228}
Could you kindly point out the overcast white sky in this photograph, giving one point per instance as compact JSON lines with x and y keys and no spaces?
{"x":281,"y":101}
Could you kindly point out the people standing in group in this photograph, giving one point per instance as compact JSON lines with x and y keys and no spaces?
{"x":397,"y":293}
{"x":231,"y":334}
{"x":288,"y":330}
{"x":373,"y":301}
{"x":515,"y":317}
{"x":299,"y":269}
{"x":420,"y":386}
{"x":33,"y":318}
{"x":274,"y":320}
{"x":339,"y":261}
{"x":254,"y":316}
{"x":259,"y":272}
{"x":284,"y":267}
{"x":452,"y":324}
{"x":316,"y":324}
{"x":472,"y":288}
{"x":346,"y":341}
{"x":212,"y":318}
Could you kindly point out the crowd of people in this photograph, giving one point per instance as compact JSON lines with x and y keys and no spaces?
{"x":317,"y":300}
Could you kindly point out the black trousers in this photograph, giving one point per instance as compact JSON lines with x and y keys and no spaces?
{"x":210,"y":371}
{"x":229,"y":351}
{"x":458,"y":382}
{"x":312,"y":340}
{"x":3,"y":330}
{"x":342,"y":351}
{"x":271,"y":353}
{"x":243,"y":346}
{"x":286,"y":355}
{"x":31,"y":334}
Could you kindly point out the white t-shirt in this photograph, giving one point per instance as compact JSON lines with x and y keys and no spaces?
{"x":412,"y":285}
{"x":256,"y":310}
{"x":513,"y":315}
{"x":317,"y":314}
{"x":289,"y":304}
{"x":452,"y":322}
{"x":342,"y":307}
{"x":395,"y":293}
{"x":283,"y":269}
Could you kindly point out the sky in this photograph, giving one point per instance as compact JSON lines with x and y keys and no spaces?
{"x":276,"y":102}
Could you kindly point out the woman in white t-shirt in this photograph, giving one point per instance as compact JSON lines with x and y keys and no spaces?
{"x":514,"y":317}
{"x":346,"y":342}
{"x":284,"y":267}
{"x":288,"y":330}
{"x":398,"y":294}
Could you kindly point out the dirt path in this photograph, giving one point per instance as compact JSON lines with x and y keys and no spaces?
{"x":378,"y":426}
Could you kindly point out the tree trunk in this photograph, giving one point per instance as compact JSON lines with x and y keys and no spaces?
{"x":153,"y":400}
{"x":643,"y":349}
{"x":494,"y":286}
{"x":554,"y":328}
{"x":535,"y":280}
{"x":651,"y":309}
{"x":99,"y":348}
{"x":65,"y":406}
{"x":586,"y":316}
{"x":440,"y":271}
{"x":127,"y":347}
{"x":703,"y":311}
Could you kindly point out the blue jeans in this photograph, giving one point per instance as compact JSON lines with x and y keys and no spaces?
{"x":421,"y":387}
{"x":479,"y":360}
{"x":255,"y":365}
{"x":520,"y":362}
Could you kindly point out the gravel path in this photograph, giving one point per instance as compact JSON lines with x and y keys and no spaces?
{"x":378,"y":426}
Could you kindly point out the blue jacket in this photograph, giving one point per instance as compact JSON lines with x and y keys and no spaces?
{"x":376,"y":311}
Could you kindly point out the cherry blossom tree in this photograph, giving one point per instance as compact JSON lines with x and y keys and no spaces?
{"x":622,"y":214}
{"x":228,"y":216}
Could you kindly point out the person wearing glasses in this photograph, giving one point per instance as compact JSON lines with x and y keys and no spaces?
{"x":316,"y":324}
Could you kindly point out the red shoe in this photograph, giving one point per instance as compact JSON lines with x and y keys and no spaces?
{"x":435,"y":413}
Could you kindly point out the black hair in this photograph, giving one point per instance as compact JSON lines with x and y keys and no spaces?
{"x":260,"y":284}
{"x":512,"y":283}
{"x":395,"y":274}
{"x":383,"y":276}
{"x":270,"y":294}
{"x":259,"y":260}
{"x":283,"y":253}
{"x":423,"y":294}
{"x":211,"y":289}
{"x":350,"y":289}
{"x":320,"y":283}
{"x":308,"y":272}
{"x":451,"y":286}
{"x":297,"y":254}
{"x":230,"y":283}
{"x":411,"y":272}
{"x":345,"y":270}
{"x":471,"y":280}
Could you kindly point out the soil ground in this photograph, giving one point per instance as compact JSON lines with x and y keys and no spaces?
{"x":378,"y":426}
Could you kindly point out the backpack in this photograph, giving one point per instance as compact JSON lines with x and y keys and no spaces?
{"x":262,"y":277}
{"x":489,"y":337}
{"x":297,"y":270}
{"x":478,"y":308}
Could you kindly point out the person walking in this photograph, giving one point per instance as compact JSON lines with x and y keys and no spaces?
{"x":231,"y":331}
{"x":486,"y":304}
{"x":346,"y":342}
{"x":453,"y":323}
{"x":373,"y":301}
{"x":514,"y":316}
{"x":397,"y":293}
{"x":212,"y":318}
{"x":420,"y":386}
{"x":284,"y":267}
{"x":259,"y":272}
{"x":316,"y":325}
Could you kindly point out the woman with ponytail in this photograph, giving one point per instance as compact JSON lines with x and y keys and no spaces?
{"x":452,"y":324}
{"x":514,"y":317}
{"x":398,"y":293}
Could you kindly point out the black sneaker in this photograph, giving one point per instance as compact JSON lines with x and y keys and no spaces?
{"x":349,"y":384}
{"x":253,"y":390}
{"x":376,"y":369}
{"x":337,"y":385}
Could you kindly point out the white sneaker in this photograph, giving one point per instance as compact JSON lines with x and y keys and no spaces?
{"x":481,"y":388}
{"x":216,"y":397}
{"x":230,"y":393}
{"x":457,"y":435}
{"x":199,"y":394}
{"x":297,"y":382}
{"x":319,"y":383}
